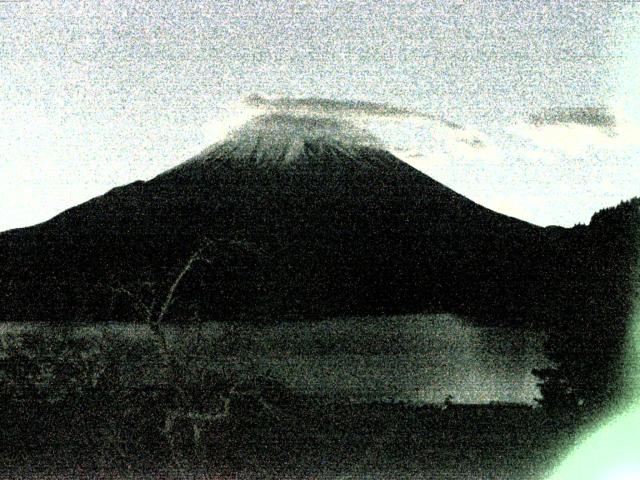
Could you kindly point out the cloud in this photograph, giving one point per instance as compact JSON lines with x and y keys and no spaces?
{"x":358,"y":110}
{"x":415,"y":136}
{"x":327,"y":106}
{"x":589,"y":116}
{"x":474,"y":141}
{"x":556,"y":166}
{"x":580,"y":131}
{"x":286,"y":125}
{"x":227,"y":120}
{"x":281,"y":137}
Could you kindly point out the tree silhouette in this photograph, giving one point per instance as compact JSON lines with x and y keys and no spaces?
{"x":586,"y":343}
{"x":181,"y":295}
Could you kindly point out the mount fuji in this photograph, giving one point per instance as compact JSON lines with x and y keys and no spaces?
{"x":302,"y":217}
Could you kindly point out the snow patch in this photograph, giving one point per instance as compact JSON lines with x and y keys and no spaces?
{"x":281,"y":138}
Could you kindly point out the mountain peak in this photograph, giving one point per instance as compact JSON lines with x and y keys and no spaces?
{"x":282,"y":139}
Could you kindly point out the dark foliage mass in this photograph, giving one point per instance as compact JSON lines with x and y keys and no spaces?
{"x":590,"y":331}
{"x":331,"y":232}
{"x":111,"y":397}
{"x":85,"y":405}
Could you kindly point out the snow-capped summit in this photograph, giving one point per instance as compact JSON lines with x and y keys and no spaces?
{"x":284,"y":138}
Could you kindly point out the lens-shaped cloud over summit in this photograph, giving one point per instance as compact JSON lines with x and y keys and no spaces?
{"x":282,"y":123}
{"x":365,"y":114}
{"x":554,"y":165}
{"x":326,"y":106}
{"x":281,"y":138}
{"x":287,"y":133}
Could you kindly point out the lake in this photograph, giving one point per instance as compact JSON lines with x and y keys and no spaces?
{"x":410,"y":358}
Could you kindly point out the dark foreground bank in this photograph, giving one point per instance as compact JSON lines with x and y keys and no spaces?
{"x":160,"y":405}
{"x":300,"y":438}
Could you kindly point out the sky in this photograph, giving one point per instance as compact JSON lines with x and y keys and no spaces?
{"x":98,"y":94}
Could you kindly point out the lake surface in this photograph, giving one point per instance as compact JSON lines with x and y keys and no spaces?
{"x":411,"y":358}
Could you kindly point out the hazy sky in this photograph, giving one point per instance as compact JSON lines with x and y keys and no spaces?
{"x":97,"y":94}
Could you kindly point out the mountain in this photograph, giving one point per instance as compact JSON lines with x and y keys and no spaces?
{"x":292,"y":216}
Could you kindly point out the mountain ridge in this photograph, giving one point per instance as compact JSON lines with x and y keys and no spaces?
{"x":328,"y":231}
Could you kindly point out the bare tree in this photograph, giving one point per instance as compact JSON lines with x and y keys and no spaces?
{"x":154,"y":312}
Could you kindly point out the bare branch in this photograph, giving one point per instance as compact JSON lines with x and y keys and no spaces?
{"x":195,"y":256}
{"x":143,"y":309}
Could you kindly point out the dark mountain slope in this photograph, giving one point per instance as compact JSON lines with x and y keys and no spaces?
{"x":295,"y":225}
